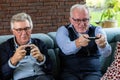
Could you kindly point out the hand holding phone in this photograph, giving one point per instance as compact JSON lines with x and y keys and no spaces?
{"x":28,"y":49}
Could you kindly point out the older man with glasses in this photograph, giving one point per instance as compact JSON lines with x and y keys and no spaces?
{"x":81,"y":45}
{"x":23,"y":57}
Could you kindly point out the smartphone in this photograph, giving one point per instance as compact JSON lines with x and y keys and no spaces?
{"x":93,"y":38}
{"x":28,"y":49}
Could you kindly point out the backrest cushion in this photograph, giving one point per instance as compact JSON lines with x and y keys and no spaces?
{"x":112,"y":39}
{"x":56,"y":50}
{"x":4,"y":38}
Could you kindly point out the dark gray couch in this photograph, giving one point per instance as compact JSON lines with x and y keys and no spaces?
{"x":113,"y":35}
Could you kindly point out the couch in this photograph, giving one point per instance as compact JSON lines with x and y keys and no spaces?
{"x":113,"y":35}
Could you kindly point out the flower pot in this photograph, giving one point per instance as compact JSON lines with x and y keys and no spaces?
{"x":109,"y":24}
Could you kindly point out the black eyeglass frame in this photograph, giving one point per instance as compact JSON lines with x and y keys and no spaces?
{"x":83,"y":20}
{"x":19,"y":30}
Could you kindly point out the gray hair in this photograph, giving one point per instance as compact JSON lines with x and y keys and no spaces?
{"x":78,"y":6}
{"x":21,"y":17}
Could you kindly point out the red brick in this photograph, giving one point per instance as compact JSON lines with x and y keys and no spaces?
{"x":47,"y":15}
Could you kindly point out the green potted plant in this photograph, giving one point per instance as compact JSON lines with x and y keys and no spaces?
{"x":109,"y":14}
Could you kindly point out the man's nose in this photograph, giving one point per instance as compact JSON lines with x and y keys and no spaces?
{"x":81,"y":23}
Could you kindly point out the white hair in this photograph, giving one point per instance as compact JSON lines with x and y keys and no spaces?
{"x":79,"y":6}
{"x":21,"y":17}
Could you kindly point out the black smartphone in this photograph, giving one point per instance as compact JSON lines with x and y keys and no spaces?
{"x":93,"y":38}
{"x":28,"y":49}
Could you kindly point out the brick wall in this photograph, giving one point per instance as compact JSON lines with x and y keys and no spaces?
{"x":47,"y":15}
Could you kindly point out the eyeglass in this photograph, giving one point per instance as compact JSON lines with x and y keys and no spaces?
{"x":19,"y":30}
{"x":85,"y":20}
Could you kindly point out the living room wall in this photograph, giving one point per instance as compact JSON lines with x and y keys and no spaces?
{"x":47,"y":15}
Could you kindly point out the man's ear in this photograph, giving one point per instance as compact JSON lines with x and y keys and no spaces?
{"x":12,"y":31}
{"x":71,"y":21}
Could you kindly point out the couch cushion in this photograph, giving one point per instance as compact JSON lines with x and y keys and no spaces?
{"x":4,"y":38}
{"x":56,"y":50}
{"x":113,"y":35}
{"x":45,"y":38}
{"x":111,"y":32}
{"x":53,"y":36}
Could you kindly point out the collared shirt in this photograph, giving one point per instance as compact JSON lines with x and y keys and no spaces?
{"x":68,"y":47}
{"x":26,"y":67}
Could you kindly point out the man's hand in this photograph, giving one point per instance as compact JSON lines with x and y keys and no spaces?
{"x":101,"y":42}
{"x":82,"y":40}
{"x":36,"y":53}
{"x":18,"y":55}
